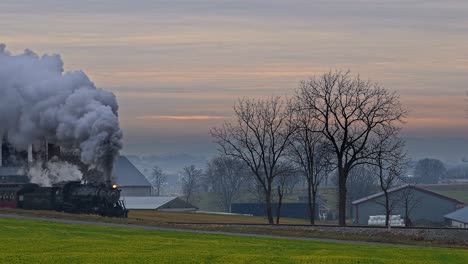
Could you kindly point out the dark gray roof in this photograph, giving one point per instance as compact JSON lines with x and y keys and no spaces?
{"x":376,"y":195}
{"x":459,"y":215}
{"x":127,"y":174}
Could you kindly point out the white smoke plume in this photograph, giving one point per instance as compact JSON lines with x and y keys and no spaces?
{"x":54,"y":171}
{"x":38,"y":101}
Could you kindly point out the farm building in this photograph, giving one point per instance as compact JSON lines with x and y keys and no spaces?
{"x":415,"y":204}
{"x":129,"y":179}
{"x":158,"y":203}
{"x":12,"y":175}
{"x":10,"y":182}
{"x":11,"y":178}
{"x":458,"y":218}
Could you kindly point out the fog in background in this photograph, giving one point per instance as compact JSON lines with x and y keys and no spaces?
{"x":177,"y":67}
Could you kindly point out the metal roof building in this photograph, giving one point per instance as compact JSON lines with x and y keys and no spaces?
{"x":458,"y":218}
{"x":12,"y":175}
{"x":129,"y":179}
{"x":159,"y":203}
{"x":415,"y":204}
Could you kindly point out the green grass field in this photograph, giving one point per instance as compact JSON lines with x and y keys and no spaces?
{"x":457,"y":194}
{"x":457,"y":191}
{"x":26,"y":241}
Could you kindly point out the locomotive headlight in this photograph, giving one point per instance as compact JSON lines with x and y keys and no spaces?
{"x":114,"y":186}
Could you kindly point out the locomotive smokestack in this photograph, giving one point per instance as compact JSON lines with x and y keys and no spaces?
{"x":108,"y":178}
{"x":108,"y":165}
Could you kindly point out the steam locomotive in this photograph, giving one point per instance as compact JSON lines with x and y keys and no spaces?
{"x":71,"y":197}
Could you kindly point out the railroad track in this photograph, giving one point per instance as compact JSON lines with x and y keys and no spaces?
{"x":309,"y":226}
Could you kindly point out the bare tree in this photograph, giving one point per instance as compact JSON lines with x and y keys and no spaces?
{"x":349,"y":110}
{"x":157,"y":179}
{"x":309,"y":152}
{"x":190,"y":181}
{"x":409,"y":201}
{"x":285,"y":182}
{"x":226,"y":175}
{"x":256,"y":191}
{"x":361,"y":183}
{"x":430,"y":171}
{"x":459,"y":172}
{"x":258,"y":136}
{"x":388,"y":162}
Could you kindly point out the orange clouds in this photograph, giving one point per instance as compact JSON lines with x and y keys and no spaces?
{"x":435,"y":122}
{"x":194,"y":117}
{"x":436,"y":127}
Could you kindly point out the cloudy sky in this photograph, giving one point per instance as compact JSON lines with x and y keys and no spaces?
{"x":178,"y":66}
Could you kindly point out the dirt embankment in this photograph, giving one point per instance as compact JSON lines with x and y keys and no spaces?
{"x":445,"y":236}
{"x":422,"y":237}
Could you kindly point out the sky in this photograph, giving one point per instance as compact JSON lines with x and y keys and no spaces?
{"x":177,"y":67}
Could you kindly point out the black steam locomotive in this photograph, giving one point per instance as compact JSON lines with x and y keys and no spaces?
{"x":71,"y":197}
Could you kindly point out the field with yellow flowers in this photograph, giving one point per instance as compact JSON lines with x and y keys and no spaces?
{"x":28,"y":241}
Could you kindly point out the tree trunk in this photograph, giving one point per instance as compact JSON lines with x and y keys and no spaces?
{"x":268,"y":206}
{"x":280,"y":201}
{"x":406,"y":215}
{"x":310,"y":203}
{"x":313,"y":208}
{"x":341,"y":197}
{"x":387,"y":210}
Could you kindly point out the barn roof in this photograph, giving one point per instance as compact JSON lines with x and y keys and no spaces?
{"x":157,"y":202}
{"x":392,"y":190}
{"x":459,"y":215}
{"x":127,"y":174}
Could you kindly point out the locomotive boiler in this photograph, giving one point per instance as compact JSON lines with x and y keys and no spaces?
{"x":72,"y":197}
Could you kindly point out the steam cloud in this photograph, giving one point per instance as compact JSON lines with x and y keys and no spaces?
{"x":38,"y":101}
{"x":53,"y":172}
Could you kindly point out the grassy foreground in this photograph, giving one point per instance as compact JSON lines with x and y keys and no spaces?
{"x":26,"y":241}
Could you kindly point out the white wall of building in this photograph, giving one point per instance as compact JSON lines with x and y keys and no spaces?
{"x":459,"y":224}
